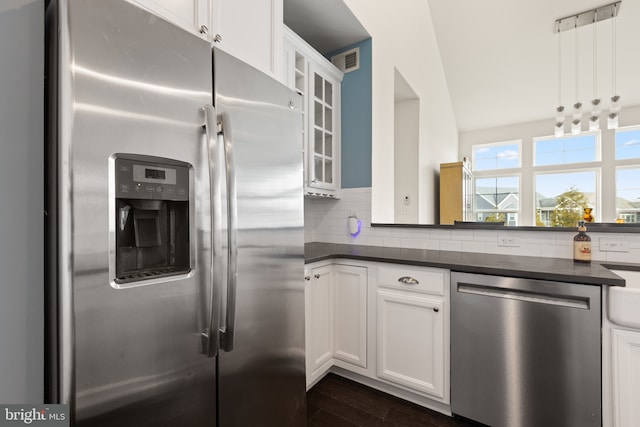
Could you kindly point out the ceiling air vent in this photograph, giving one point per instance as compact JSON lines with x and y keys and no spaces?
{"x":347,"y":61}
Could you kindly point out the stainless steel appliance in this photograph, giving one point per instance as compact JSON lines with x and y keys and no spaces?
{"x":525,"y":352}
{"x":176,"y":227}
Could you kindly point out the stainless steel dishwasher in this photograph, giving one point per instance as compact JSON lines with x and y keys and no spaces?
{"x":525,"y":353}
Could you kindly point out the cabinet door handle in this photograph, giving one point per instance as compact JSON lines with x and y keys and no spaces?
{"x":307,"y":278}
{"x":436,"y":309}
{"x":204,"y":29}
{"x":317,"y":276}
{"x":408,"y":280}
{"x":217,"y":38}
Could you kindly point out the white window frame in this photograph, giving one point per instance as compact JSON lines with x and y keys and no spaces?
{"x":605,"y":166}
{"x":502,"y":172}
{"x":560,"y":168}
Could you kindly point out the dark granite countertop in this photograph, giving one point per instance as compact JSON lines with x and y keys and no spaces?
{"x":555,"y":269}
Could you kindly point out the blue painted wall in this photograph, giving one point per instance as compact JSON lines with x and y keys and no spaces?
{"x":356,"y":120}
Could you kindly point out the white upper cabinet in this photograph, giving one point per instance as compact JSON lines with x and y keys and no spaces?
{"x":250,"y":30}
{"x":324,"y":160}
{"x":192,"y":15}
{"x":319,"y":83}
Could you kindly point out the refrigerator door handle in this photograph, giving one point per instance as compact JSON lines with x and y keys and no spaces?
{"x":227,"y":333}
{"x":210,"y":336}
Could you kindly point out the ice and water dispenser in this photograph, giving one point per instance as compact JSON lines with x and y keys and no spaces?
{"x":152,"y":218}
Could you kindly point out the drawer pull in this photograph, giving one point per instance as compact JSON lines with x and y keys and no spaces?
{"x":436,"y":309}
{"x":317,"y":276}
{"x":408,"y":280}
{"x":307,"y":278}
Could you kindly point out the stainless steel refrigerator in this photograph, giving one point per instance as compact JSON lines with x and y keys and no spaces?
{"x":175,"y":227}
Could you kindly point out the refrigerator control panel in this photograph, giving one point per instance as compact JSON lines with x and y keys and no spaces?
{"x":136,"y":179}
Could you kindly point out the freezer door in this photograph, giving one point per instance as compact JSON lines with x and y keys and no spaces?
{"x":261,"y":367}
{"x":128,"y":85}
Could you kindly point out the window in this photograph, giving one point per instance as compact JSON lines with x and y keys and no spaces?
{"x":627,"y":182}
{"x":572,"y":149}
{"x":562,"y":197}
{"x":498,"y":199}
{"x":628,"y":194}
{"x":555,"y":179}
{"x":503,"y":155}
{"x":497,"y":190}
{"x":566,"y":172}
{"x":628,"y":144}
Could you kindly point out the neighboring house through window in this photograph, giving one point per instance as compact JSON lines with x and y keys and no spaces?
{"x":497,"y":186}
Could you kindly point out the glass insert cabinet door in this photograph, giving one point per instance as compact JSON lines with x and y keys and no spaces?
{"x":323,"y":130}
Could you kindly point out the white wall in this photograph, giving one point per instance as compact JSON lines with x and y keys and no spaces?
{"x":326,"y":221}
{"x":406,"y":156}
{"x":405,"y":40}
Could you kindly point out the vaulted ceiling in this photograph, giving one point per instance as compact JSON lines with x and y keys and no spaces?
{"x":501,"y":56}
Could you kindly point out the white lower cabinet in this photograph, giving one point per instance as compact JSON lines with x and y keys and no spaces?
{"x":626,"y":377}
{"x":412,"y":329}
{"x":336,"y":318}
{"x":318,"y":325}
{"x":350,"y":314}
{"x":411,"y":341}
{"x":384,"y":325}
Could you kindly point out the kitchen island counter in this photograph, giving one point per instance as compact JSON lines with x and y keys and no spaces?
{"x":554,"y":269}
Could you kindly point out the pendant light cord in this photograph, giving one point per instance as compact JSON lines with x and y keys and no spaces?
{"x":595,"y":56}
{"x":559,"y":67}
{"x":613,"y":53}
{"x":577,"y":62}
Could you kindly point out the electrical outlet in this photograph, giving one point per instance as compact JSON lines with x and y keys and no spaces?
{"x":508,"y":241}
{"x":614,"y":245}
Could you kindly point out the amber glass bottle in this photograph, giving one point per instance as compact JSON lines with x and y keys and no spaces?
{"x":582,"y":244}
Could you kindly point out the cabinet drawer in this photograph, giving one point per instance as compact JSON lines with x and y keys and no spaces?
{"x":427,"y":280}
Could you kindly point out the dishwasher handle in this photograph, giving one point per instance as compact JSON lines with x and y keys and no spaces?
{"x":525,"y":295}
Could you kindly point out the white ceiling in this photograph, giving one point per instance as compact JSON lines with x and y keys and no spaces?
{"x":501,"y":56}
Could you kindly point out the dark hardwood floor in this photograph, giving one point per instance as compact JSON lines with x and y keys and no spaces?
{"x":339,"y":402}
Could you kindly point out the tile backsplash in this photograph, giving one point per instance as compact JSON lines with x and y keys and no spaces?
{"x":326,"y":221}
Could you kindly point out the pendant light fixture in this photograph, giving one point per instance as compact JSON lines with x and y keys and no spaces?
{"x":572,"y":23}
